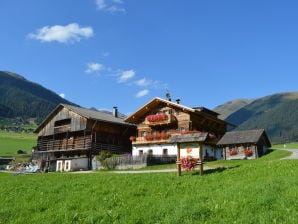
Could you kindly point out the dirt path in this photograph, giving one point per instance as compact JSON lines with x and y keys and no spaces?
{"x":137,"y":171}
{"x":294,"y":154}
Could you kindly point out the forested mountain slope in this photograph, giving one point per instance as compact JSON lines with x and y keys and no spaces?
{"x":22,"y":98}
{"x":230,"y":107}
{"x":277,"y":113}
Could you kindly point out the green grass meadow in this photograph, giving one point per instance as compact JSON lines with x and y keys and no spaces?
{"x":293,"y":145}
{"x":258,"y":191}
{"x":11,"y":142}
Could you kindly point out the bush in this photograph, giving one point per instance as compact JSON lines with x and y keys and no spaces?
{"x":103,"y":158}
{"x":20,"y":151}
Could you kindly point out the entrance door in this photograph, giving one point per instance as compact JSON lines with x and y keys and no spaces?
{"x":67,"y":165}
{"x":59,"y":166}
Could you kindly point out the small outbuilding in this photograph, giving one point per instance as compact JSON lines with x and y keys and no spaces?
{"x":248,"y":144}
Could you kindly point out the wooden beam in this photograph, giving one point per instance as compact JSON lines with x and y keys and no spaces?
{"x":178,"y":162}
{"x":201,"y":159}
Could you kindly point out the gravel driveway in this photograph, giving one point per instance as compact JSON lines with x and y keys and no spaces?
{"x":294,"y":154}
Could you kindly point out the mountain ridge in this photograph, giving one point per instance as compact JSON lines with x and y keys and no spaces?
{"x":22,"y":98}
{"x":276,"y":113}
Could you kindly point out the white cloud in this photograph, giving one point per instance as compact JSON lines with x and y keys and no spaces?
{"x":111,"y":6}
{"x":142,"y":93}
{"x":62,"y":95}
{"x":114,"y":9}
{"x":126,"y":75}
{"x":105,"y":54}
{"x":143,"y":82}
{"x":100,"y":4}
{"x":64,"y":34}
{"x":118,"y":1}
{"x":94,"y":68}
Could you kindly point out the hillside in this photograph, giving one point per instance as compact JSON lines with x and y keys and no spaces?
{"x":276,"y":113}
{"x":230,"y":107}
{"x":22,"y":98}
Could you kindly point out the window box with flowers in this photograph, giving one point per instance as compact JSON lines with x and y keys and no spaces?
{"x":248,"y":152}
{"x":157,"y":136}
{"x":233,"y":152}
{"x":156,"y":117}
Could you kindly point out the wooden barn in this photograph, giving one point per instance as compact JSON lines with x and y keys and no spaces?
{"x":70,"y":137}
{"x":160,"y":120}
{"x":248,"y":144}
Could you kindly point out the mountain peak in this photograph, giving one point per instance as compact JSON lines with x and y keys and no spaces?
{"x":14,"y":75}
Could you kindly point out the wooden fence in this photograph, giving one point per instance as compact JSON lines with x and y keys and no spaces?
{"x":135,"y":162}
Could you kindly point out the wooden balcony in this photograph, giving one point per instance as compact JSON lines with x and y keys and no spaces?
{"x":143,"y":140}
{"x":64,"y":144}
{"x":170,"y":119}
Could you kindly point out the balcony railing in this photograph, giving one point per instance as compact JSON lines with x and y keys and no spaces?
{"x":143,"y":140}
{"x":64,"y":144}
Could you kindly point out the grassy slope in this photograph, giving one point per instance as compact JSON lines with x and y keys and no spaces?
{"x":260,"y":191}
{"x":10,"y":143}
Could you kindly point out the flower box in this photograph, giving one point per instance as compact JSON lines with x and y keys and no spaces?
{"x":233,"y":152}
{"x":156,"y":117}
{"x":248,"y":152}
{"x":157,"y":136}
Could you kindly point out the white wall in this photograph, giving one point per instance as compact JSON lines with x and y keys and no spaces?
{"x":172,"y":150}
{"x":73,"y":164}
{"x":80,"y":163}
{"x":156,"y":149}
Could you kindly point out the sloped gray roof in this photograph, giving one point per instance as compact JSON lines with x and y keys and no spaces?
{"x":95,"y":115}
{"x":241,"y":137}
{"x":87,"y":113}
{"x":194,"y":137}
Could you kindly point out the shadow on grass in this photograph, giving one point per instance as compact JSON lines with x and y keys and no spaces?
{"x":215,"y":170}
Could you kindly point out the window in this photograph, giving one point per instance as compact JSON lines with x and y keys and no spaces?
{"x":165,"y":152}
{"x":141,"y":152}
{"x":62,"y":122}
{"x":150,"y":152}
{"x":62,"y":126}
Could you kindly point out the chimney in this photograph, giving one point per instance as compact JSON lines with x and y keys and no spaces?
{"x":115,"y":111}
{"x":178,"y":101}
{"x":168,"y":96}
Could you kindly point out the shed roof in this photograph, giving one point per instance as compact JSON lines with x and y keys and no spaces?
{"x":194,"y":137}
{"x":241,"y":137}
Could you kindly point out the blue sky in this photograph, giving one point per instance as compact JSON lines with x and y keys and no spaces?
{"x":105,"y":53}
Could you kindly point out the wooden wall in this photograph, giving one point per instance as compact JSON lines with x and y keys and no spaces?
{"x":184,"y":120}
{"x":77,"y":122}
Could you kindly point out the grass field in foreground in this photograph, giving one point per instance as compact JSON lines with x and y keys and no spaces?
{"x":259,"y":191}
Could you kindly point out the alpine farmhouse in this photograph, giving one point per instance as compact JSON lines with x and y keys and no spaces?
{"x":162,"y":124}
